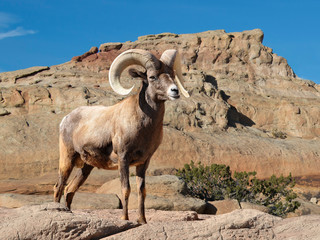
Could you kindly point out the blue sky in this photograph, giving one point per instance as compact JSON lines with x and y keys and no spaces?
{"x":45,"y":33}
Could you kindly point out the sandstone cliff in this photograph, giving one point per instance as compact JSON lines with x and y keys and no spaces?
{"x":247,"y":108}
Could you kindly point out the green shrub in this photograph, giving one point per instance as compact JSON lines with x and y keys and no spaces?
{"x":276,"y":194}
{"x":208,"y":183}
{"x":241,"y":183}
{"x":216,"y":182}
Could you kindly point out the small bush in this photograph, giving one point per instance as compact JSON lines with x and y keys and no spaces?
{"x":208,"y":183}
{"x":278,"y":134}
{"x":215,"y":182}
{"x":241,"y":190}
{"x":276,"y":194}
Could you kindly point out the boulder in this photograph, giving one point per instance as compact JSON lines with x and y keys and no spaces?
{"x":248,"y":205}
{"x":106,"y":47}
{"x":306,"y":208}
{"x":83,"y":200}
{"x":221,"y":206}
{"x":164,"y":192}
{"x":52,"y":221}
{"x":162,"y":185}
{"x":92,"y":51}
{"x":314,"y":200}
{"x":184,"y":203}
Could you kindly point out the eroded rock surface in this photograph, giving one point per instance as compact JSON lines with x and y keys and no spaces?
{"x":243,"y":97}
{"x":52,"y":221}
{"x":240,"y":224}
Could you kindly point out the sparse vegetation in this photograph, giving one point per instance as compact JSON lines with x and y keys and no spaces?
{"x":208,"y":183}
{"x":278,"y":134}
{"x":216,"y":182}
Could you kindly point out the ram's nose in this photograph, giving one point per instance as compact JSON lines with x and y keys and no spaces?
{"x":173,"y":92}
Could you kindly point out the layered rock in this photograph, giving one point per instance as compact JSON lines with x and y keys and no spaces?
{"x":242,"y":96}
{"x":240,"y":224}
{"x":52,"y":221}
{"x":58,"y":223}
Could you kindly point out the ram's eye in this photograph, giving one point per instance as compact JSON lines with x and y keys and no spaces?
{"x":152,"y":77}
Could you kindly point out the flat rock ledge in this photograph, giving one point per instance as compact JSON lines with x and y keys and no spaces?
{"x":81,"y":200}
{"x":53,"y":221}
{"x":239,"y":224}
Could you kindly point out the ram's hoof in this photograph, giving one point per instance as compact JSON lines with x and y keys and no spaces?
{"x":142,"y":220}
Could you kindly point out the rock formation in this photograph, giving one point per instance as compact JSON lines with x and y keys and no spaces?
{"x":52,"y":221}
{"x":247,"y":108}
{"x":57,"y":223}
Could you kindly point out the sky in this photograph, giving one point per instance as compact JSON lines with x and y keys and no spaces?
{"x":46,"y":33}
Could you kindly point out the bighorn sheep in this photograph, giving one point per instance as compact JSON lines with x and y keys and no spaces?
{"x":125,"y":134}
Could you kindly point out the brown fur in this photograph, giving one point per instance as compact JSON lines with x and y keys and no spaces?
{"x":116,"y":137}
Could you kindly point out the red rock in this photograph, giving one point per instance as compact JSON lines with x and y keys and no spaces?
{"x":241,"y":92}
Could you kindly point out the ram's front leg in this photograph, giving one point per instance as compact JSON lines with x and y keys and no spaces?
{"x":125,"y":187}
{"x":141,"y":188}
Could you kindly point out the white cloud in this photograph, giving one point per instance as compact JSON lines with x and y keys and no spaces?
{"x":6,"y":22}
{"x":6,"y":19}
{"x":19,"y":31}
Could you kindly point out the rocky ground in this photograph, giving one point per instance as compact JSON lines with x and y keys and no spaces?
{"x":171,"y":214}
{"x":52,"y":221}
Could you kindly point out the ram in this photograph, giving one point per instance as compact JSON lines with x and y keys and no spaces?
{"x":125,"y":134}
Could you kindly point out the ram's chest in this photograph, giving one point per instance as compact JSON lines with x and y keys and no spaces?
{"x":139,"y":144}
{"x":149,"y":140}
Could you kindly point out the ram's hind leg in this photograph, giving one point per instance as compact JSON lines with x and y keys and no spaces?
{"x":80,"y":177}
{"x":59,"y":186}
{"x":65,"y":169}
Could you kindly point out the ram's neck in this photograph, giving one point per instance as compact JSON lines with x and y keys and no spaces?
{"x":151,"y":110}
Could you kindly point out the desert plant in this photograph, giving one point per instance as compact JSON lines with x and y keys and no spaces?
{"x":276,"y":194}
{"x":278,"y":134}
{"x":241,"y":186}
{"x":216,"y":182}
{"x":209,"y":183}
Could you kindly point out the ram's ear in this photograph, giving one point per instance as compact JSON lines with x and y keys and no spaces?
{"x":137,"y":74}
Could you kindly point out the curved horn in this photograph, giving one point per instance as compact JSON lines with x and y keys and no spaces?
{"x":125,"y":59}
{"x":172,"y":59}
